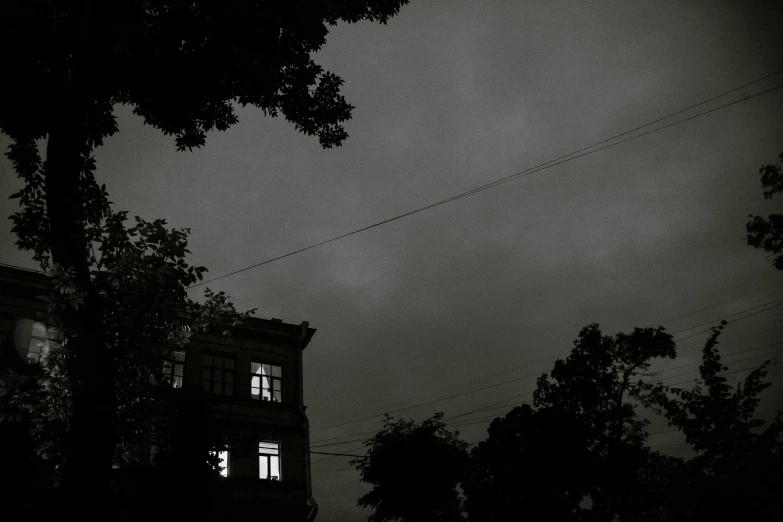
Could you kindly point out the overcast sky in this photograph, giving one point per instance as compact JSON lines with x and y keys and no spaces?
{"x":448,"y":96}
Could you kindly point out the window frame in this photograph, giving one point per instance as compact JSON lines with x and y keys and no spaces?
{"x":268,"y":457}
{"x":170,"y":366}
{"x":212,"y":371}
{"x":272,"y":378}
{"x":38,"y":346}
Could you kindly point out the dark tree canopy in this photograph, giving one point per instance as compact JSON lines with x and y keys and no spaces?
{"x":414,"y":469}
{"x":768,"y":233}
{"x":533,"y":462}
{"x":579,"y":453}
{"x":738,"y":456}
{"x":181,"y":64}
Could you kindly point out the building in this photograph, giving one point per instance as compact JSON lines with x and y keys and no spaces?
{"x":252,"y":381}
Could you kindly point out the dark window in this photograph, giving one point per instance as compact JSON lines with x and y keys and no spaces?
{"x":269,"y":460}
{"x":217,"y":374}
{"x":266,"y":383}
{"x":174,"y":369}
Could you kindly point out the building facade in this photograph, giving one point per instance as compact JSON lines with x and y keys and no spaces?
{"x":252,"y":382}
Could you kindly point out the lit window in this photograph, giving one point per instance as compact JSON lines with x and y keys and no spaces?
{"x":174,"y":369}
{"x":269,"y":460}
{"x":222,"y":461}
{"x":41,"y":339}
{"x":217,"y":374}
{"x":266,"y":383}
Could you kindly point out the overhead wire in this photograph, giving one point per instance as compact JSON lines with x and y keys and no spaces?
{"x":450,"y":419}
{"x":585,"y":151}
{"x":552,"y":358}
{"x":755,"y":310}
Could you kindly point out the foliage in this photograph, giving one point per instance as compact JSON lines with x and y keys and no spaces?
{"x":737,"y":457}
{"x":768,"y":233}
{"x":579,"y":451}
{"x":183,"y":66}
{"x":141,"y":278}
{"x":414,"y":469}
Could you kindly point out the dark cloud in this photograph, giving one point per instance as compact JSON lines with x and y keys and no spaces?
{"x":451,"y":95}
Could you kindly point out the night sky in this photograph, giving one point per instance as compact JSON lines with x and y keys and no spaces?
{"x":448,"y":96}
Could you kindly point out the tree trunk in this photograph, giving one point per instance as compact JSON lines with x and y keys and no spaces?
{"x":92,"y":434}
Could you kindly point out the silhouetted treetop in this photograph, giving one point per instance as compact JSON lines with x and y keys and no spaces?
{"x":181,"y":64}
{"x":768,"y":233}
{"x":414,"y":469}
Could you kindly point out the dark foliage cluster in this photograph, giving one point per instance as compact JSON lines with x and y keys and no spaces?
{"x":767,"y":234}
{"x":580,"y":451}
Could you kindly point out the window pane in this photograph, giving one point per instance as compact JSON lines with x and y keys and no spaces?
{"x":206,"y":374}
{"x":179,"y":356}
{"x":217,"y":387}
{"x":207,"y":360}
{"x":206,"y":383}
{"x":266,"y":370}
{"x":35,"y":350}
{"x":277,"y":385}
{"x":229,"y":377}
{"x":271,"y":448}
{"x":274,"y":464}
{"x":178,"y":370}
{"x":218,"y":376}
{"x":265,"y":395}
{"x":229,"y":364}
{"x":255,"y":367}
{"x":229,"y":389}
{"x":255,"y":382}
{"x":278,"y":396}
{"x":277,"y":371}
{"x":218,"y":362}
{"x":39,"y":329}
{"x":178,"y":382}
{"x":223,"y":456}
{"x":263,"y":467}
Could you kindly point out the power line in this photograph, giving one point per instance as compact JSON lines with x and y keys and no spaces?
{"x":333,"y":456}
{"x":703,"y":308}
{"x":527,"y":376}
{"x":542,"y":166}
{"x":669,"y":377}
{"x":469,"y":422}
{"x":552,"y":358}
{"x":429,"y":402}
{"x":729,"y":322}
{"x":727,"y":316}
{"x":327,"y":442}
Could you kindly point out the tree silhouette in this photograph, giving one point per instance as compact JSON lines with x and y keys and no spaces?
{"x":142,"y":277}
{"x":182,"y":66}
{"x":414,"y":469}
{"x":768,"y":233}
{"x":579,"y":452}
{"x":738,"y":456}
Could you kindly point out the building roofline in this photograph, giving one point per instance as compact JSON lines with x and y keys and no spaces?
{"x":20,"y":276}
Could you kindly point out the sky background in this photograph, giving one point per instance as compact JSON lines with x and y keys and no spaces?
{"x":448,"y":96}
